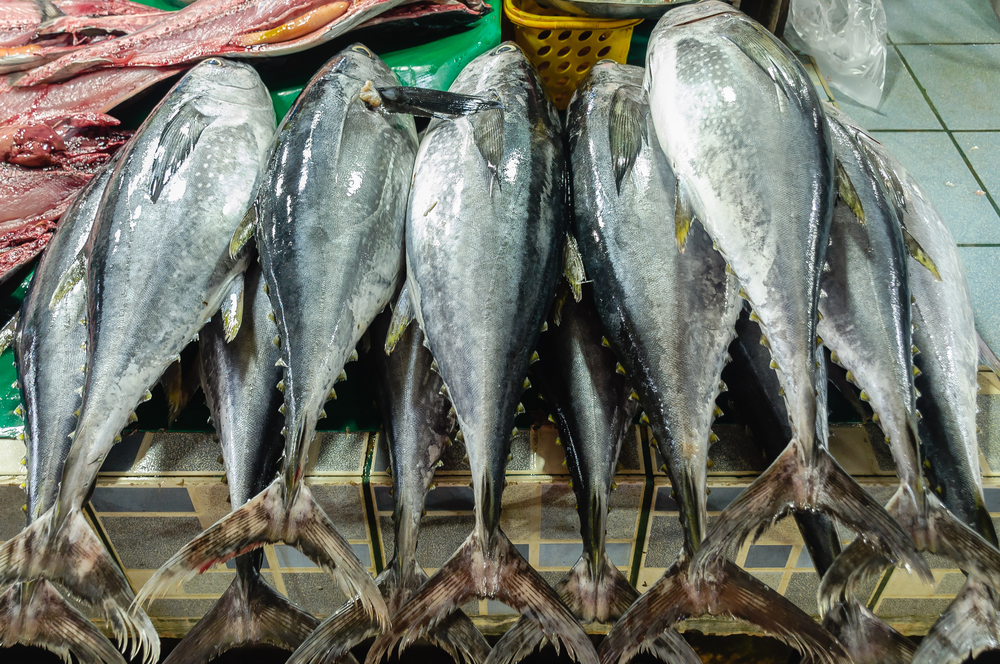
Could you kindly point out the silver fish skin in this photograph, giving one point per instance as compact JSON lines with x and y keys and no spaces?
{"x":156,"y":268}
{"x":766,"y":199}
{"x":944,"y":333}
{"x":754,"y":394}
{"x":668,"y":315}
{"x":46,"y":341}
{"x":593,"y":410}
{"x":483,"y":237}
{"x":866,"y":320}
{"x":418,"y":421}
{"x":328,"y":219}
{"x":238,"y":378}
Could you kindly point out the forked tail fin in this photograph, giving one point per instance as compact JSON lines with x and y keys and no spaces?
{"x":795,"y":483}
{"x":249,"y":612}
{"x":590,"y":596}
{"x":933,"y":528}
{"x":725,"y":591}
{"x":508,"y":577}
{"x":75,"y":558}
{"x":349,"y":626}
{"x":267,"y":520}
{"x":40,"y":617}
{"x":969,"y":626}
{"x":866,"y":638}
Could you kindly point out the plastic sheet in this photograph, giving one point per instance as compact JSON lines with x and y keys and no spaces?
{"x":847,"y":39}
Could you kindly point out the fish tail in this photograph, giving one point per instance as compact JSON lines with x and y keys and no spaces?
{"x":268,"y":519}
{"x":249,"y":612}
{"x":948,"y":536}
{"x":70,"y":554}
{"x":866,"y":638}
{"x":39,"y":616}
{"x":727,"y":591}
{"x":797,"y":482}
{"x":509,"y":578}
{"x":969,"y":626}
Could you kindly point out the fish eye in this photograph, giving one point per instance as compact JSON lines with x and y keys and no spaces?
{"x":362,"y":49}
{"x":505,"y":48}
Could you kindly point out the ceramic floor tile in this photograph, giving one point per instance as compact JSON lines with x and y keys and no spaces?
{"x":941,"y":21}
{"x":939,"y":168}
{"x":983,"y":151}
{"x":960,"y":81}
{"x":902,"y":106}
{"x":982,"y":265}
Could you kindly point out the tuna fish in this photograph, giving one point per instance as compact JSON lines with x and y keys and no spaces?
{"x":46,"y":341}
{"x":239,"y":378}
{"x":865,"y":302}
{"x":484,"y":231}
{"x":328,"y":219}
{"x":156,"y":267}
{"x":418,"y":422}
{"x":944,"y":332}
{"x":769,"y":212}
{"x":594,"y":408}
{"x":754,"y":394}
{"x":668,"y":311}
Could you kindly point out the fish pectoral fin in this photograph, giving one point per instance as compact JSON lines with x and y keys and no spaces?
{"x":966,"y":628}
{"x":244,"y":231}
{"x":49,"y":11}
{"x":9,"y":332}
{"x":402,"y":315}
{"x":248,"y":613}
{"x":573,"y":268}
{"x":55,"y":625}
{"x":683,"y":214}
{"x":73,"y":275}
{"x":848,"y":193}
{"x":424,"y":102}
{"x":918,"y":254}
{"x":450,"y":587}
{"x":232,"y":308}
{"x":762,"y":49}
{"x":487,"y":133}
{"x":865,"y":637}
{"x":626,"y":129}
{"x":177,"y":141}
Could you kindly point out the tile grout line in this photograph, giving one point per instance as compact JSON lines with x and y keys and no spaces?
{"x":961,"y":152}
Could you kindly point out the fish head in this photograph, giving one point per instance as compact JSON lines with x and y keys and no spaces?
{"x":227,"y":81}
{"x":357,"y":61}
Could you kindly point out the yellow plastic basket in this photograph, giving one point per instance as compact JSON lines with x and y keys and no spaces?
{"x":564,"y":48}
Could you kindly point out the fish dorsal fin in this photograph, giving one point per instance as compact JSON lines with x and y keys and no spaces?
{"x":761,"y":48}
{"x":919,"y":255}
{"x":487,"y":132}
{"x":70,"y":278}
{"x":8,"y":332}
{"x":402,"y":314}
{"x":244,"y":231}
{"x":573,"y":268}
{"x":177,"y":141}
{"x":626,"y":129}
{"x":683,"y":214}
{"x":848,"y":193}
{"x":232,"y":308}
